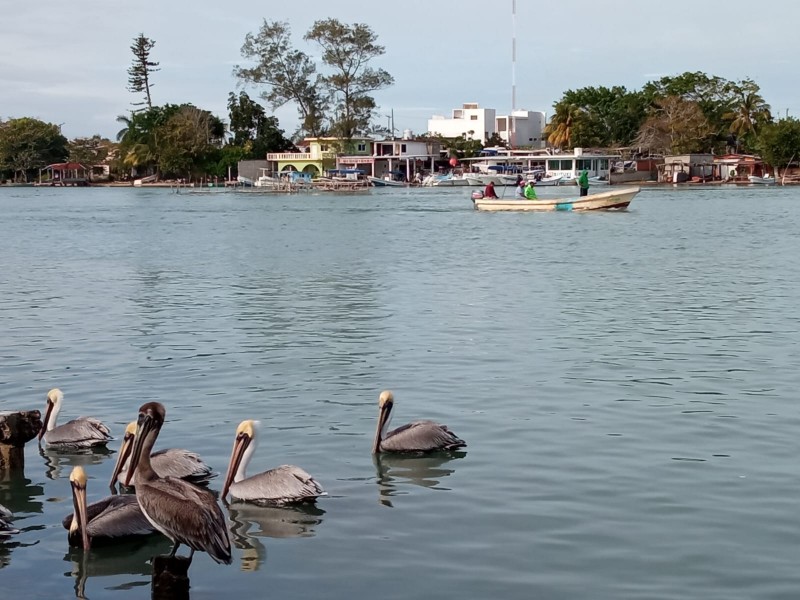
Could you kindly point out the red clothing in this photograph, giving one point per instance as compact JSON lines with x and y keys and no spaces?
{"x":489,"y":191}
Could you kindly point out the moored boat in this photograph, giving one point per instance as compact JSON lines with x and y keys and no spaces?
{"x":761,"y":180}
{"x":617,"y":199}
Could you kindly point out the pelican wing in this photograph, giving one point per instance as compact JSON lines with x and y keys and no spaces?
{"x":83,"y":432}
{"x":281,"y":485}
{"x":186,"y":514}
{"x":421,"y":436}
{"x":183,"y":464}
{"x":5,"y":526}
{"x":114,"y":517}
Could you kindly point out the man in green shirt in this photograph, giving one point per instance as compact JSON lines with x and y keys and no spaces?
{"x":583,"y":182}
{"x":530,"y":193}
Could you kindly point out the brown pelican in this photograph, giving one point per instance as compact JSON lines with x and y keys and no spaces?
{"x":104,"y":521}
{"x":172,"y":462}
{"x":282,"y":485}
{"x":185,"y":513}
{"x":5,"y":522}
{"x":418,"y":436}
{"x":83,"y":432}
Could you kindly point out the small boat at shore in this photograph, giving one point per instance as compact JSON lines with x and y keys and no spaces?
{"x":761,"y":180}
{"x":617,"y":199}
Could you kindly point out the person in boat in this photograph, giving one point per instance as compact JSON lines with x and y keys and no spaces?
{"x":530,"y":191}
{"x":521,"y":189}
{"x":489,"y":191}
{"x":583,"y":182}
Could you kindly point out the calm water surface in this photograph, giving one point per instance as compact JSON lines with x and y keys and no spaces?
{"x":626,"y":382}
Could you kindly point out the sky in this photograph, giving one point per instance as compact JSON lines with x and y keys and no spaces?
{"x":68,"y":65}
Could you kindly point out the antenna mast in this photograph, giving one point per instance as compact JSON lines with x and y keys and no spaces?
{"x":513,"y":127}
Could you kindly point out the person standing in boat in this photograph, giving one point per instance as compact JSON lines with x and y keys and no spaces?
{"x":489,"y":191}
{"x":583,"y":182}
{"x":530,"y":192}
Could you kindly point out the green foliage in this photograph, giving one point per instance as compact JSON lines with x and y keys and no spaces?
{"x":27,"y":145}
{"x":348,"y":50}
{"x":139,"y":71}
{"x":290,"y":75}
{"x":89,"y":151}
{"x":253,"y":129}
{"x":779,"y":142}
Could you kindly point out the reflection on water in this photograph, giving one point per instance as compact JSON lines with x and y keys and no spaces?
{"x":131,"y":557}
{"x":250,"y":522}
{"x":56,"y":460}
{"x":396,"y":470}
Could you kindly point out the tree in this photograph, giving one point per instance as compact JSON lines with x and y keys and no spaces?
{"x":141,"y":138}
{"x":779,"y":143}
{"x":748,"y":116}
{"x":675,"y":126}
{"x":253,"y":129}
{"x":290,"y":75}
{"x":139,"y":72}
{"x":189,"y":141}
{"x":348,"y":49}
{"x":89,"y":151}
{"x":560,"y":128}
{"x":27,"y":145}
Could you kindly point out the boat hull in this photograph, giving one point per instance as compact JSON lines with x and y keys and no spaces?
{"x":761,"y":180}
{"x":611,"y":200}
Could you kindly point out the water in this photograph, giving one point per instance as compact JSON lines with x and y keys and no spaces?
{"x":626,"y":384}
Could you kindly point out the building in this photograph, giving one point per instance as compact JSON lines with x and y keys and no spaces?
{"x":318,"y":155}
{"x":522,"y":128}
{"x":404,"y":159}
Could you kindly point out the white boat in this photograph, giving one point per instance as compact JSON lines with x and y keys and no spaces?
{"x":483,"y":179}
{"x":548,"y":180}
{"x":617,"y":199}
{"x":444,"y":180}
{"x":386,"y":181}
{"x":761,"y":180}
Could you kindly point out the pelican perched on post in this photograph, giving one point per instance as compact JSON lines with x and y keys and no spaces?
{"x":185,"y":513}
{"x":418,"y":436}
{"x":83,"y":432}
{"x":104,"y":521}
{"x":286,"y":484}
{"x":172,"y":462}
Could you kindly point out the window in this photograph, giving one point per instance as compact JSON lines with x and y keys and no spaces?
{"x":559,"y":165}
{"x":362,"y":147}
{"x":473,"y":117}
{"x":402,"y":148}
{"x":584,"y":163}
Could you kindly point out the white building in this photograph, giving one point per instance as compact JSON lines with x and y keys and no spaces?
{"x":473,"y":122}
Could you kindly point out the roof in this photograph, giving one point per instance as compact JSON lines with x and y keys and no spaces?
{"x":67,"y":166}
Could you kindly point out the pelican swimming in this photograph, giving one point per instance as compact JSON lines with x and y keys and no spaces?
{"x":83,"y":432}
{"x":286,"y":484}
{"x":172,"y":462}
{"x":185,"y":513}
{"x":418,"y":436}
{"x":104,"y":521}
{"x":5,"y":522}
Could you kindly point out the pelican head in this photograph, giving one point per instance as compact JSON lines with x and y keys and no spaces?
{"x":385,"y":404}
{"x":151,"y":418}
{"x":243,"y":447}
{"x":55,"y":398}
{"x":124,"y":451}
{"x":80,"y":520}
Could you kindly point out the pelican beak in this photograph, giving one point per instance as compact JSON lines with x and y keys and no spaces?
{"x":47,"y":414}
{"x":79,"y":517}
{"x":240,"y":444}
{"x":144,"y":425}
{"x":124,"y":453}
{"x":383,"y":417}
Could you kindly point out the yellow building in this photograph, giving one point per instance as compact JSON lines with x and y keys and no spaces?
{"x":318,"y":155}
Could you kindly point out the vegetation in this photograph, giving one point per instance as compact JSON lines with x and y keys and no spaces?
{"x":254,"y":131}
{"x":139,"y":72}
{"x":338,"y":103}
{"x":779,"y":143}
{"x":27,"y":145}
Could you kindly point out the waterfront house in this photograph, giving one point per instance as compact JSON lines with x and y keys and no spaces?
{"x":317,"y":155}
{"x":687,"y":167}
{"x":522,"y":128}
{"x":404,"y":158}
{"x":68,"y":173}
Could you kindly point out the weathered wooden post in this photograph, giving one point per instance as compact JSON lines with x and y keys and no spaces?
{"x":170,"y":578}
{"x":16,"y":429}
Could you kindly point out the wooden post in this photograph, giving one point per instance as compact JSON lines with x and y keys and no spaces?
{"x":16,"y":429}
{"x":170,"y":577}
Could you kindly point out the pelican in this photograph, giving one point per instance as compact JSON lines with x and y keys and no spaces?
{"x":5,"y":523}
{"x":286,"y":484}
{"x":172,"y":462}
{"x":104,"y":521}
{"x":183,"y":512}
{"x":83,"y":432}
{"x":418,"y":436}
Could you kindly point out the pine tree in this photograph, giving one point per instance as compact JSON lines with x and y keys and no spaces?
{"x":139,"y":71}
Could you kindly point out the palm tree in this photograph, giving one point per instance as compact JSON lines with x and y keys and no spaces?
{"x":559,"y":129}
{"x":750,"y":113}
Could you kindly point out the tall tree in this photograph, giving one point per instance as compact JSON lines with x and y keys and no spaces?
{"x":675,"y":126}
{"x":27,"y":145}
{"x":290,"y":75}
{"x":559,"y":130}
{"x":779,"y":142}
{"x":189,"y":141}
{"x":347,"y":50}
{"x":89,"y":151}
{"x":749,"y":114}
{"x":253,"y":129}
{"x":139,"y":72}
